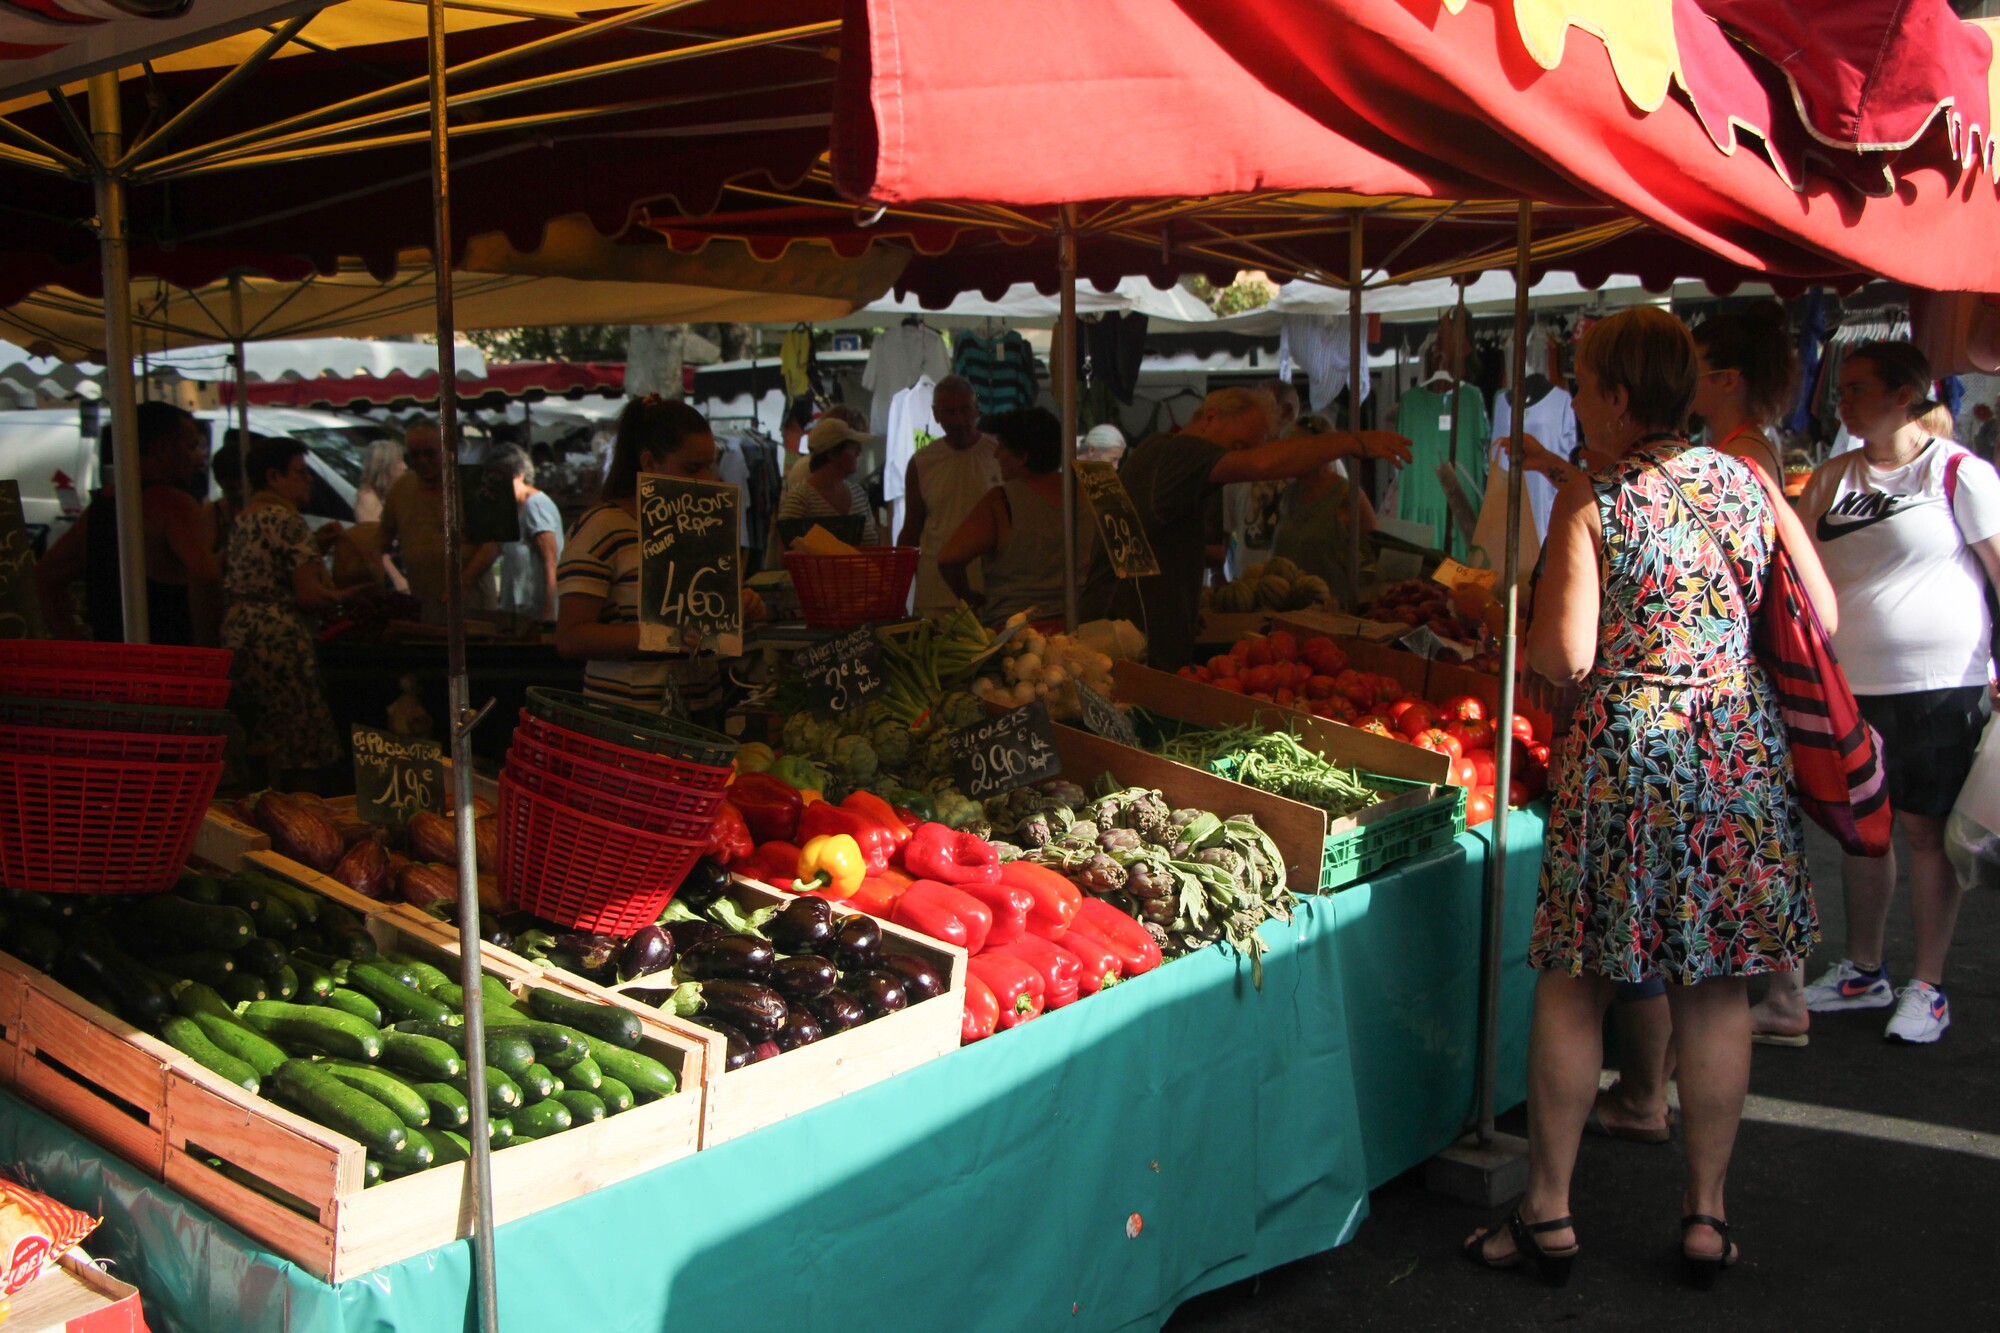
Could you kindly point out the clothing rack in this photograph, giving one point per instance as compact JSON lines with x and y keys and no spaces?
{"x":1872,"y":324}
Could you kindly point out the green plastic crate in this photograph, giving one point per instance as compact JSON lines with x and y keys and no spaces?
{"x":1364,"y":851}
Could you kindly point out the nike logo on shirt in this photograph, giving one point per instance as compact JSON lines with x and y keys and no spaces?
{"x":1858,"y":510}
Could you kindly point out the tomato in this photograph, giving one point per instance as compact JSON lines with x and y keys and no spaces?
{"x":1400,"y":707}
{"x":1222,"y":665}
{"x":1465,"y":773}
{"x":1319,"y":687}
{"x":1240,"y":650}
{"x":1540,"y":752}
{"x":1478,"y":734}
{"x":1230,"y":683}
{"x":1434,"y":738}
{"x":1463,"y":707}
{"x":1257,"y":653}
{"x":1284,"y":646}
{"x":1375,"y":724}
{"x":1517,"y":793}
{"x":1283,"y":696}
{"x":1482,"y":763}
{"x":1260,"y":679}
{"x":1524,"y":728}
{"x":1478,"y":806}
{"x":1413,"y":719}
{"x":1388,"y":689}
{"x":1357,"y":687}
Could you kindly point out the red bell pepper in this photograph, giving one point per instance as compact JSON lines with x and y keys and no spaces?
{"x":773,"y":863}
{"x":950,"y":856}
{"x":1136,"y":950}
{"x":878,"y":893}
{"x":982,"y":1012}
{"x":872,"y":807}
{"x":824,"y":819}
{"x":1100,"y":962}
{"x":729,"y":839}
{"x":1017,"y":987}
{"x":769,"y":807}
{"x":944,"y":913}
{"x":1056,"y":899}
{"x":1062,"y":971}
{"x":1009,"y":906}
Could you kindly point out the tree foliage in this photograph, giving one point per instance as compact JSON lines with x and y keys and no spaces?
{"x":568,"y":342}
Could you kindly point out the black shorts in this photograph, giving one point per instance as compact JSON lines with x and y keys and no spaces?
{"x":1928,"y":740}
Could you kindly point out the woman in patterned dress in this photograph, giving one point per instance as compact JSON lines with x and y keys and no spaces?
{"x":273,"y":579}
{"x":1674,"y":842}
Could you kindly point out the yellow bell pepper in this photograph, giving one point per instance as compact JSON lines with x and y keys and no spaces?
{"x":832,"y":867}
{"x":809,"y":796}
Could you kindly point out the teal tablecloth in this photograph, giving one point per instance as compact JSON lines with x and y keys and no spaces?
{"x":997,"y":1188}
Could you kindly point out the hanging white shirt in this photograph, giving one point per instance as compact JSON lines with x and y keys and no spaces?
{"x":900,"y":357}
{"x":911,"y":426}
{"x":1319,"y":345}
{"x":1550,"y":419}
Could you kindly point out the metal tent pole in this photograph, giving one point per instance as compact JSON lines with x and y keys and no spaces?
{"x":242,"y":383}
{"x":458,"y":708}
{"x":1455,"y":355}
{"x":1503,"y":759}
{"x":1065,"y":375}
{"x":1357,"y":372}
{"x":106,"y":134}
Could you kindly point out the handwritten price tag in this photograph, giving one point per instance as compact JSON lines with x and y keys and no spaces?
{"x":1104,"y":717}
{"x":1118,"y":522}
{"x":993,"y":757}
{"x":690,"y":568}
{"x":396,"y":778}
{"x":842,"y":673}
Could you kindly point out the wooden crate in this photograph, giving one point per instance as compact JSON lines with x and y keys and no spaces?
{"x":223,"y":839}
{"x":1338,"y":625}
{"x":740,"y":1100}
{"x":91,"y":1069}
{"x":14,"y":978}
{"x":1427,"y":678}
{"x":307,"y":1201}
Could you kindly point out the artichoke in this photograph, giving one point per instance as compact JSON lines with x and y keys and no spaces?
{"x":959,"y":709}
{"x":854,"y":759}
{"x":891,"y":740}
{"x":1148,"y":878}
{"x":1034,"y":831}
{"x":1101,"y":874}
{"x":1119,"y":840}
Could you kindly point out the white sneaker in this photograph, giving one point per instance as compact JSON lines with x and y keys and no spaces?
{"x":1922,"y":1015}
{"x":1846,"y":986}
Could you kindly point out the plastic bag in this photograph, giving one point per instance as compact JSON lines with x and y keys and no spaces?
{"x":1972,"y":833}
{"x":35,"y":1231}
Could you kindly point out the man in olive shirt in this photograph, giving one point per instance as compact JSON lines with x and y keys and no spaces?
{"x":1171,"y":478}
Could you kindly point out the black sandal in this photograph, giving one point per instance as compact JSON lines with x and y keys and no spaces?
{"x":1701,"y":1269}
{"x":1552,"y":1265}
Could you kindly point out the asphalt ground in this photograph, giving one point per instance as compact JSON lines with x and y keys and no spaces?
{"x":1864,"y":1192}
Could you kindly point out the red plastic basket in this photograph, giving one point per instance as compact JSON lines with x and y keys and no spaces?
{"x":127,"y":747}
{"x":588,"y":800}
{"x":652,"y":767}
{"x":619,"y":784}
{"x":124,"y":659}
{"x":837,"y":591}
{"x":92,"y":826}
{"x":113,"y":687}
{"x":582,"y":871}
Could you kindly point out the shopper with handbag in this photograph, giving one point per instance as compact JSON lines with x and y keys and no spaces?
{"x":1674,"y":846}
{"x":1908,"y":528}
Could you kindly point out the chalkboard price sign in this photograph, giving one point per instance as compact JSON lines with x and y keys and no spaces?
{"x":1118,"y":521}
{"x":842,"y":673}
{"x":690,"y":568}
{"x":491,"y":512}
{"x":993,"y":757}
{"x":396,"y":778}
{"x":1104,"y":717}
{"x":17,"y":566}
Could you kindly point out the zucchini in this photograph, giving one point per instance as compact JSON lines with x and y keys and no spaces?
{"x":285,"y":984}
{"x":398,"y":971}
{"x":408,"y":1104}
{"x":371,"y":1172}
{"x":135,"y":996}
{"x":448,"y":1105}
{"x":304,"y":905}
{"x":556,"y":1046}
{"x":186,"y":924}
{"x":620,"y":1027}
{"x":211,"y":967}
{"x":538,"y":1084}
{"x":503,"y":1094}
{"x":500,"y":1001}
{"x":218,"y":1022}
{"x":420,"y":1057}
{"x":355,"y":945}
{"x":585,"y":1108}
{"x":499,"y":1132}
{"x":399,"y":1002}
{"x":646,"y":1078}
{"x":416,"y":1154}
{"x":36,"y":943}
{"x":615,"y":1095}
{"x":334,"y":1031}
{"x":185,"y":1035}
{"x":584,"y":1074}
{"x":244,"y":988}
{"x":271,"y":915}
{"x":262,"y":956}
{"x":506,"y":1049}
{"x":448,"y":1146}
{"x":427,"y":977}
{"x":315,"y":982}
{"x":336,"y":967}
{"x":198,"y":888}
{"x":452,"y":994}
{"x":324,"y":1098}
{"x":541,"y":1120}
{"x":354,"y":1002}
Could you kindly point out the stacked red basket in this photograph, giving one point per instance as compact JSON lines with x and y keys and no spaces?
{"x":109,"y":756}
{"x":604,"y":810}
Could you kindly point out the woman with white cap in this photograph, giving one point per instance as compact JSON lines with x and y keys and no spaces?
{"x":828,"y":490}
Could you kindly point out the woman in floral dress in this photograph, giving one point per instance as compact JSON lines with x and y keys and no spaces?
{"x":1674,"y":843}
{"x":273,"y":579}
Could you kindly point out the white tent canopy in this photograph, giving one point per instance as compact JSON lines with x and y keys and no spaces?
{"x":317,"y":358}
{"x":1024,"y":307}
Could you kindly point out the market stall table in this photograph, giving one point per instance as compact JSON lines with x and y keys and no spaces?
{"x":1096,"y":1167}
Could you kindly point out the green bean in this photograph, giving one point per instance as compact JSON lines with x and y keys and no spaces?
{"x":1273,"y":761}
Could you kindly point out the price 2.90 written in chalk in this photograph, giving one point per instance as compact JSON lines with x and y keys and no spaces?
{"x":994,"y":757}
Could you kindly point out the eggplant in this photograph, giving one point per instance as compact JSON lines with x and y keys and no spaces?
{"x":649,"y":950}
{"x":799,"y":1029}
{"x":706,"y":882}
{"x":687,"y":934}
{"x":494,"y":932}
{"x":804,"y":976}
{"x":880,"y":992}
{"x":755,"y":1008}
{"x":728,"y":956}
{"x":593,"y":957}
{"x":920,"y":979}
{"x":837,"y":1011}
{"x":740,"y":1051}
{"x":805,"y":926}
{"x":858,"y":943}
{"x":764,"y":1050}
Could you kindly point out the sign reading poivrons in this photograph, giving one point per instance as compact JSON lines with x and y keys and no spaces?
{"x":396,"y":778}
{"x":1125,"y":543}
{"x":993,"y":757}
{"x":690,"y":569}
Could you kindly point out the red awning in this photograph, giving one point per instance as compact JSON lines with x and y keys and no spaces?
{"x":529,"y":381}
{"x":1655,"y":109}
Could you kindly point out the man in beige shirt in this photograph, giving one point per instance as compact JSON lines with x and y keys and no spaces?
{"x":413,"y":526}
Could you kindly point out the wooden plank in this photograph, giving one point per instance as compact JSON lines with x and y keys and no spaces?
{"x":99,"y":1074}
{"x":1336,"y":625}
{"x":1191,"y":701}
{"x":223,"y":839}
{"x":14,"y":978}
